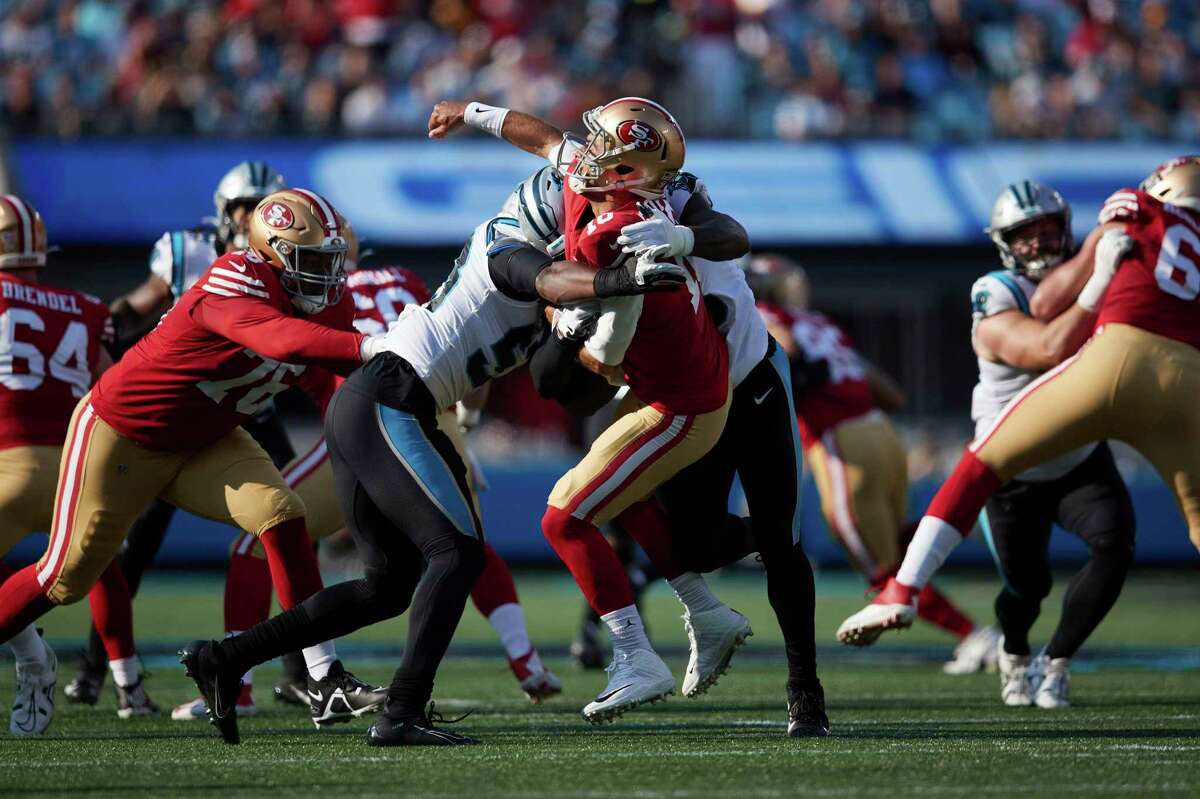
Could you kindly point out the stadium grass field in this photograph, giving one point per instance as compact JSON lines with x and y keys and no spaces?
{"x":900,"y":727}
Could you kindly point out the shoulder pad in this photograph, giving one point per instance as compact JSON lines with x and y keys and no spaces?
{"x":996,"y":292}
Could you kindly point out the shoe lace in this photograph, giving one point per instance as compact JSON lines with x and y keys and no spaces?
{"x":433,"y":717}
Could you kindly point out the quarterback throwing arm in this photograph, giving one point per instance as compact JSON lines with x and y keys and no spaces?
{"x":1136,"y":381}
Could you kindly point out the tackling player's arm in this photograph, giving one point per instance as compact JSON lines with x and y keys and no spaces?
{"x":1018,"y":340}
{"x":273,"y":334}
{"x":523,"y":272}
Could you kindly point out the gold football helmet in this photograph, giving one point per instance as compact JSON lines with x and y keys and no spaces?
{"x":778,"y":280}
{"x":633,"y":145}
{"x":1176,"y":182}
{"x":301,"y":234}
{"x":22,"y":234}
{"x":351,"y":237}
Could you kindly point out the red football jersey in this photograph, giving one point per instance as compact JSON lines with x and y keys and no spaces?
{"x":50,"y":341}
{"x":380,"y":294}
{"x":677,"y":361}
{"x":1157,"y":285}
{"x":231,"y":343}
{"x":846,"y":395}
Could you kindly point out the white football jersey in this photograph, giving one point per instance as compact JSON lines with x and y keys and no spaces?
{"x":745,"y":332}
{"x":470,"y":332}
{"x":998,"y":383}
{"x":180,"y":257}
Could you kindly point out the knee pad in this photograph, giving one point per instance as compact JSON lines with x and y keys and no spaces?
{"x":1115,"y":545}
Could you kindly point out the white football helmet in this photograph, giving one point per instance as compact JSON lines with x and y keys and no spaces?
{"x":1018,"y":205}
{"x":247,"y":183}
{"x":540,"y":210}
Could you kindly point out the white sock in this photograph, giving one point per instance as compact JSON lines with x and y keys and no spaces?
{"x":28,"y":648}
{"x":248,"y":677}
{"x":693,"y":592}
{"x":626,"y":628}
{"x":931,"y":545}
{"x":508,"y":621}
{"x":319,"y":658}
{"x":124,"y":671}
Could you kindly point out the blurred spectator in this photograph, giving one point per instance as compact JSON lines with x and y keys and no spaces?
{"x":934,"y":70}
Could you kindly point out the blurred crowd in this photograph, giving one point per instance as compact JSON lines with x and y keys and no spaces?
{"x":933,"y":70}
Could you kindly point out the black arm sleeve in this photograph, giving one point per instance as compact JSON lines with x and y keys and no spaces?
{"x":514,"y":267}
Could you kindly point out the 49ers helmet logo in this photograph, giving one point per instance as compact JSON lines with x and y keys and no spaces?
{"x":639,"y":134}
{"x":277,"y":215}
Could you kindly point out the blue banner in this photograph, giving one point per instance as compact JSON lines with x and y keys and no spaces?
{"x":420,"y":192}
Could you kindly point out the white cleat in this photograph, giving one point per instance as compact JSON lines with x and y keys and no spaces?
{"x":33,"y":705}
{"x":713,"y":636}
{"x":1015,"y":690}
{"x":634,"y":678}
{"x":197,"y":710}
{"x":868,"y":624}
{"x":1055,"y":685}
{"x":975,"y":653}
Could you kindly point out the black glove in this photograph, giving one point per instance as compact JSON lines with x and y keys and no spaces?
{"x":621,"y":281}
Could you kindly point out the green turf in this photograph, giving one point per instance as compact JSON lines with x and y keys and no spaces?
{"x":900,"y":727}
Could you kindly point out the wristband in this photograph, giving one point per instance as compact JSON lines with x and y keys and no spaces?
{"x":487,"y":118}
{"x":613,"y":282}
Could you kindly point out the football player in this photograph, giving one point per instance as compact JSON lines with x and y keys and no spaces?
{"x":633,"y":150}
{"x":1135,"y":380}
{"x":760,"y":444}
{"x":164,"y":422}
{"x":401,"y":483}
{"x":178,"y":260}
{"x":856,"y":455}
{"x":380,"y":295}
{"x":1080,"y":491}
{"x":52,"y":347}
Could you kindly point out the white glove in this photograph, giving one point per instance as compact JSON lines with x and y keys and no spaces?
{"x":370,"y":347}
{"x":1111,"y":248}
{"x":651,"y":272}
{"x":467,"y":417}
{"x":575,"y":323}
{"x":658,"y":235}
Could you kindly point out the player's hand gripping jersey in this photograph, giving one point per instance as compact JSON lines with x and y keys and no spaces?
{"x":50,"y":341}
{"x":846,"y":394}
{"x":220,"y":355}
{"x":1159,"y":281}
{"x":380,"y":295}
{"x":677,"y":362}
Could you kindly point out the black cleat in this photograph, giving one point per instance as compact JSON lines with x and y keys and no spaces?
{"x":290,"y":691}
{"x":341,"y":696}
{"x":134,"y":701}
{"x":220,"y":691}
{"x":416,"y":731}
{"x":806,"y":713}
{"x":84,"y":689}
{"x":586,"y":648}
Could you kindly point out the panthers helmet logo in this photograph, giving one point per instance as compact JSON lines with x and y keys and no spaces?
{"x":277,"y":215}
{"x":639,"y":134}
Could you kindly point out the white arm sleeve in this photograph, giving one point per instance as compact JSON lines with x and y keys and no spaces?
{"x":614,"y":330}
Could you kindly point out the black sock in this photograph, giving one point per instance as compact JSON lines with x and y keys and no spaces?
{"x":408,"y":694}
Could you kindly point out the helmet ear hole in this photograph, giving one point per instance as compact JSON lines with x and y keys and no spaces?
{"x":623,"y":169}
